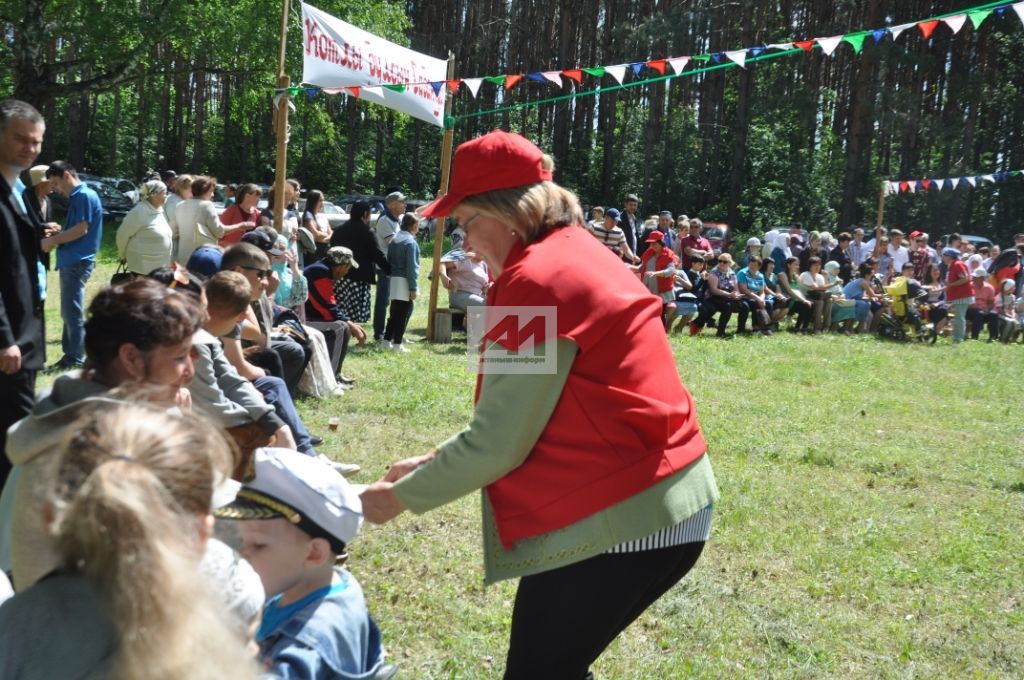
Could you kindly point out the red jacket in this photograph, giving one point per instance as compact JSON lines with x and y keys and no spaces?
{"x":666,"y":256}
{"x":624,"y":421}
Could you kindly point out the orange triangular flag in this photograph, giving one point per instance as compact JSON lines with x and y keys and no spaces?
{"x":805,"y":45}
{"x":511,"y":80}
{"x":574,"y":74}
{"x":353,"y":90}
{"x":658,"y":65}
{"x":927,"y":27}
{"x":453,"y":85}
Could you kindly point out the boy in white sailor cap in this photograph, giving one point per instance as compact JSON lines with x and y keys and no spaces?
{"x":295,"y":519}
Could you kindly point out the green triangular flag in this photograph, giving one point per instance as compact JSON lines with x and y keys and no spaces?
{"x":395,"y":88}
{"x":856,"y":40}
{"x":497,"y":80}
{"x":294,"y":91}
{"x":702,"y":57}
{"x":978,"y":17}
{"x":597,"y":71}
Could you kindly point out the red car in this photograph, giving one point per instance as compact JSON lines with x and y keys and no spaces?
{"x":719,"y":235}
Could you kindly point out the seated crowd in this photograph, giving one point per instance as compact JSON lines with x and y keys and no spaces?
{"x":814,"y":282}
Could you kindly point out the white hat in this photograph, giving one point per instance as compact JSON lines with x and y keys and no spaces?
{"x":981,"y":271}
{"x":37,"y":174}
{"x":753,"y":241}
{"x":307,"y":492}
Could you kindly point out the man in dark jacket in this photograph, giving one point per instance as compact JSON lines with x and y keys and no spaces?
{"x":22,"y":350}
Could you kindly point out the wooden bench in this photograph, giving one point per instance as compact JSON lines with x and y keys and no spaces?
{"x":443,"y":317}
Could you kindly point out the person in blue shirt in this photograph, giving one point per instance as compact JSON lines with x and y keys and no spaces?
{"x":295,"y":518}
{"x":404,"y":259}
{"x":76,"y":256}
{"x":752,"y":287}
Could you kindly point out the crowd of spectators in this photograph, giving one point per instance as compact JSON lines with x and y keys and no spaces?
{"x":814,"y":282}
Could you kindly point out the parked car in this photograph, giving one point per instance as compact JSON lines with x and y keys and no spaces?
{"x":126,"y":187}
{"x":719,"y":235}
{"x":335,"y":215}
{"x":976,"y":241}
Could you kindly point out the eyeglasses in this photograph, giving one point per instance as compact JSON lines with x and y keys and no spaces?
{"x":261,"y":274}
{"x":465,"y":225}
{"x":723,"y":261}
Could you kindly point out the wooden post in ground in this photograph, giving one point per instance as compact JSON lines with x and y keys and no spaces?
{"x":446,"y":165}
{"x":281,"y":124}
{"x":881,"y":203}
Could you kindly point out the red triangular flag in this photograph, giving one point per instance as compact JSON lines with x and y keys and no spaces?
{"x":453,"y":85}
{"x":904,"y":187}
{"x":353,"y":90}
{"x":927,"y":27}
{"x":658,"y":65}
{"x":511,"y":80}
{"x":805,"y":45}
{"x":574,"y":74}
{"x":926,"y":183}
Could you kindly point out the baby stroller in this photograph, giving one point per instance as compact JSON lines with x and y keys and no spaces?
{"x":903,"y":323}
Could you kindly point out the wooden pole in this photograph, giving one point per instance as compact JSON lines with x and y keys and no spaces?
{"x":446,"y":164}
{"x":881,"y":204}
{"x":281,"y":124}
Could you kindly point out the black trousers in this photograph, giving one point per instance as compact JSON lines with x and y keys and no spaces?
{"x":979,"y":318}
{"x":398,"y":320}
{"x":564,"y":618}
{"x":17,"y":396}
{"x":725,"y":308}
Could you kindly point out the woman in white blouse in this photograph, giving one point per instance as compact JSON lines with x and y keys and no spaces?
{"x":144,"y":237}
{"x":195,"y":221}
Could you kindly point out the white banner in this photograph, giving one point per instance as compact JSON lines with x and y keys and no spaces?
{"x":338,"y":55}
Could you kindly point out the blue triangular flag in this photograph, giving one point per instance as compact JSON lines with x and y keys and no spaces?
{"x":919,"y":186}
{"x":636,"y":67}
{"x":1000,"y":176}
{"x":949,"y":184}
{"x":962,"y":181}
{"x":1000,"y":10}
{"x":878,"y":34}
{"x":537,"y":77}
{"x":437,"y":87}
{"x":755,"y":51}
{"x":716,"y":57}
{"x":311,"y":92}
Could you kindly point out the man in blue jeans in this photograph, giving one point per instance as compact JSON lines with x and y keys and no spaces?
{"x":76,"y":257}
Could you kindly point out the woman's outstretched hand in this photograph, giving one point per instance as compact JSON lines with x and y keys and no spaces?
{"x":380,"y":504}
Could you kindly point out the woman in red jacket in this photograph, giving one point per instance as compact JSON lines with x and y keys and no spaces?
{"x":597,"y":485}
{"x":959,"y":291}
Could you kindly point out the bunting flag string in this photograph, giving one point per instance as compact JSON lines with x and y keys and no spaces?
{"x":916,"y":186}
{"x":829,"y":46}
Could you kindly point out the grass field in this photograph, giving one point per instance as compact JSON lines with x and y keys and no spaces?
{"x":870,"y":523}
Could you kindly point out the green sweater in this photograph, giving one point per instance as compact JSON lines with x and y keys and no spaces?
{"x":508,"y":420}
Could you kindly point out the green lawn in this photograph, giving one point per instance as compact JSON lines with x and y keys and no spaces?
{"x":870,"y":523}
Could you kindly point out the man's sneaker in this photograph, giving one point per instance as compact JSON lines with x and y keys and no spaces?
{"x":342,"y":468}
{"x":63,"y":366}
{"x":345,"y":381}
{"x":400,"y":349}
{"x":384,"y":344}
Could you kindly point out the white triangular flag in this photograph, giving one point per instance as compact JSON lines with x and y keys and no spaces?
{"x":738,"y":56}
{"x":912,"y":186}
{"x":955,"y":22}
{"x":973,"y":181}
{"x":829,"y":45}
{"x":617,"y":72}
{"x":780,"y":46}
{"x":894,"y":187}
{"x":473,"y":85}
{"x":989,"y":178}
{"x":896,"y":30}
{"x":1019,"y":9}
{"x":554,"y":77}
{"x":937,"y":184}
{"x":377,"y":91}
{"x":679,"y":63}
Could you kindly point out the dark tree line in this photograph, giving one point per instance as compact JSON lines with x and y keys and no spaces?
{"x":129,"y":85}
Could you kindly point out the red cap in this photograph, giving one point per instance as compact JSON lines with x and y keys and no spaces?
{"x":656,"y":237}
{"x":915,"y":234}
{"x":497,"y":160}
